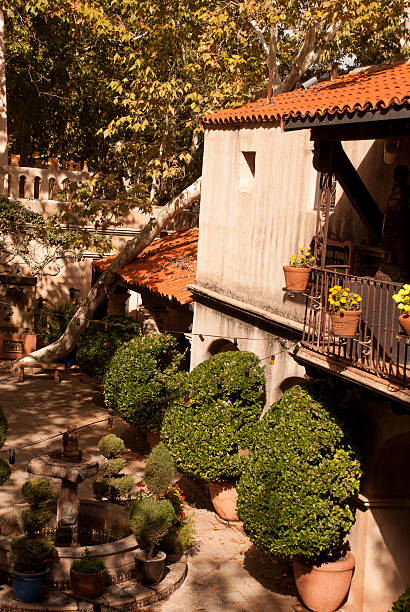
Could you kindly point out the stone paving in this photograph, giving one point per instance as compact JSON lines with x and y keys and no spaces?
{"x":225,"y":571}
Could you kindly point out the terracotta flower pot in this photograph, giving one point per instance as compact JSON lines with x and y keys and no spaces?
{"x":296,"y":279}
{"x":345,"y":323}
{"x":87,"y":585}
{"x":404,"y":322}
{"x":153,"y":437}
{"x":324,"y":588}
{"x":224,"y":496}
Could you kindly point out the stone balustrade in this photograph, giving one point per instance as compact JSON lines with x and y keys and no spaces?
{"x":20,"y":183}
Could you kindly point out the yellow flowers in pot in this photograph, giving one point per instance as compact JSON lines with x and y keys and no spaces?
{"x":341,"y":299}
{"x":402,"y":298}
{"x":302,"y":259}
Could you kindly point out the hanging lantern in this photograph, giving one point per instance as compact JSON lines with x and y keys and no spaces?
{"x":202,"y":339}
{"x":109,"y":423}
{"x":65,"y":439}
{"x":106,"y":327}
{"x":235,"y":342}
{"x":12,"y":456}
{"x":186,"y":398}
{"x":272,"y":360}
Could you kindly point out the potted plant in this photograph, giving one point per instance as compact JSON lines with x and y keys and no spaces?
{"x":298,"y":271}
{"x":402,"y":299}
{"x":150,"y":520}
{"x":143,"y":377}
{"x":158,"y":474}
{"x":345,"y":313}
{"x":113,"y":485}
{"x":297,"y":493}
{"x":87,"y":576}
{"x":217,"y":417}
{"x":33,"y":552}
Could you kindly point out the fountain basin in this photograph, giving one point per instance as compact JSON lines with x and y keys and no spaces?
{"x":54,"y":465}
{"x":103,"y":528}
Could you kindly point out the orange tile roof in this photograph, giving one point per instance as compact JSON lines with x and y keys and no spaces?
{"x":375,"y":87}
{"x":166,"y":267}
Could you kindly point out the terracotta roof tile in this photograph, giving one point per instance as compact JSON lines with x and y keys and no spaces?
{"x":166,"y":267}
{"x":375,"y":87}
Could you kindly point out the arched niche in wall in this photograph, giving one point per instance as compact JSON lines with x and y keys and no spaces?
{"x":22,"y":186}
{"x":37,"y":184}
{"x":51,"y":188}
{"x":222,"y":345}
{"x":390,"y":474}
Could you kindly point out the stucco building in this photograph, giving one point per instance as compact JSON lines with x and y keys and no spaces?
{"x":316,"y":167}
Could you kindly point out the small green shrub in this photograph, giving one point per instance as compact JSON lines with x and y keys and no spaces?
{"x":98,"y":343}
{"x":150,"y":520}
{"x":36,"y":490}
{"x":111,"y":446}
{"x":225,"y":399}
{"x":116,"y":465}
{"x":4,"y":428}
{"x":32,"y":555}
{"x":5,"y":471}
{"x":114,"y":485}
{"x":33,"y":520}
{"x":296,"y":494}
{"x":178,"y":538}
{"x":142,"y":378}
{"x":159,"y":470}
{"x":403,"y":602}
{"x":88,"y":565}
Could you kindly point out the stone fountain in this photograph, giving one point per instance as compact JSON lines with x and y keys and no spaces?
{"x":72,"y":466}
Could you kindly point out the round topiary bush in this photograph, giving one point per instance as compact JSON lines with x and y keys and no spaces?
{"x":143,"y":377}
{"x":218,"y":415}
{"x":159,"y":470}
{"x":98,"y":343}
{"x":110,"y":446}
{"x":36,"y":490}
{"x":297,"y":491}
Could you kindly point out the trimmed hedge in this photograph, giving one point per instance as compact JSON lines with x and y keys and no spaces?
{"x":225,"y":398}
{"x":297,"y":491}
{"x":143,"y":377}
{"x":113,"y":485}
{"x":96,"y":347}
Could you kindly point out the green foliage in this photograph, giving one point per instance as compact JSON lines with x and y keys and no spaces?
{"x":32,"y":555}
{"x":113,"y":486}
{"x":142,"y":378}
{"x":116,"y":465}
{"x":150,"y":520}
{"x":36,"y":490}
{"x":159,"y":470}
{"x":178,"y":538}
{"x":220,"y":416}
{"x":297,"y":491}
{"x":23,"y":230}
{"x":97,"y":344}
{"x":52,"y":323}
{"x":88,"y":565}
{"x":403,"y":603}
{"x":5,"y":471}
{"x":111,"y":446}
{"x":33,"y":520}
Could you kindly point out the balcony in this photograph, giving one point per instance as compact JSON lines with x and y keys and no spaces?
{"x":379,"y":350}
{"x":41,"y":184}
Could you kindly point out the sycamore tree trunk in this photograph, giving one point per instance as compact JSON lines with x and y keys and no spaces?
{"x":107,"y":281}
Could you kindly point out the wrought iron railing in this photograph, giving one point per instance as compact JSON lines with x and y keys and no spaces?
{"x":379,"y":347}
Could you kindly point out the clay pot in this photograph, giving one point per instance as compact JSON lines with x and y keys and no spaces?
{"x":345,"y":323}
{"x":404,"y":322}
{"x":324,"y":588}
{"x":153,"y":437}
{"x":87,"y":585}
{"x":296,"y":279}
{"x":224,"y":496}
{"x":149,"y":571}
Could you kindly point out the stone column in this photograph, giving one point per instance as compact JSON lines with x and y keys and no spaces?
{"x":3,"y":99}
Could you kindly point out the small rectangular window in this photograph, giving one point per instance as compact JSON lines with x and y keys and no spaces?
{"x":247,"y":171}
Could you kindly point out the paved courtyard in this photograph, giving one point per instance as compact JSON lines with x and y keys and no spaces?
{"x":225,"y":571}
